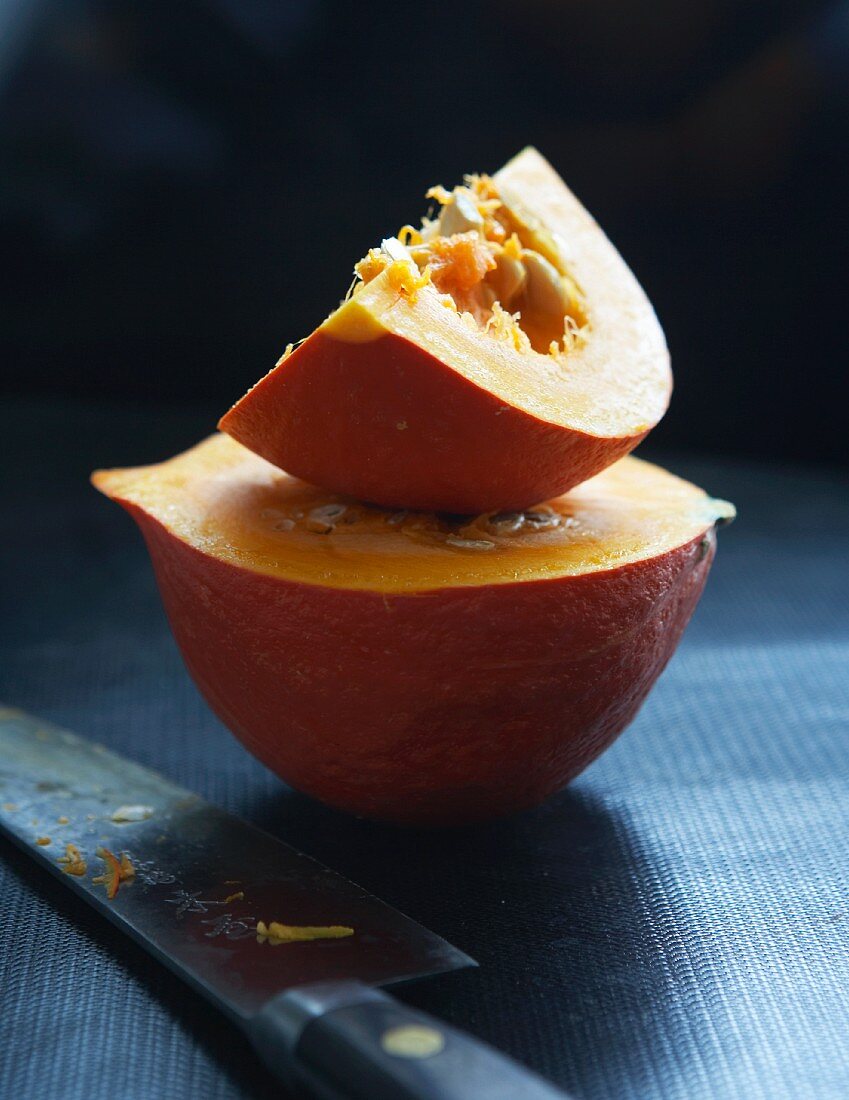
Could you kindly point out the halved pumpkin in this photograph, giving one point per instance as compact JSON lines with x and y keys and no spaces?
{"x":414,"y":667}
{"x":497,"y":356}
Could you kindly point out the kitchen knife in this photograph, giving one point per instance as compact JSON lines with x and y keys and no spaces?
{"x":290,"y":950}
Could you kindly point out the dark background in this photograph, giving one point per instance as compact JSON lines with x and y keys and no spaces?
{"x":185,"y":187}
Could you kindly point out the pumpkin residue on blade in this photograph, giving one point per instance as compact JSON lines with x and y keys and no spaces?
{"x":276,"y":933}
{"x":115,"y":871}
{"x":73,"y":862}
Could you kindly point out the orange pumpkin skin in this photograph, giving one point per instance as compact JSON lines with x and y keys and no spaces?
{"x":430,"y":708}
{"x":387,"y":422}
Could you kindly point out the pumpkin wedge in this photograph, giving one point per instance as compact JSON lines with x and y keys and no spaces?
{"x":496,"y":357}
{"x":415,"y":667}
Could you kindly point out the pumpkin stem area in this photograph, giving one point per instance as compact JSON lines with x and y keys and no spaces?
{"x":488,"y":266}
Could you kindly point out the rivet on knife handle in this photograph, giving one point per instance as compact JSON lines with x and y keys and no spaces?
{"x":348,"y":1041}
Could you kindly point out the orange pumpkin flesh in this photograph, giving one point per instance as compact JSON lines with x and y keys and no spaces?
{"x":416,"y":668}
{"x":421,"y":391}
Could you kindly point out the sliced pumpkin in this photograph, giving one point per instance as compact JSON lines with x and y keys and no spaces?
{"x":497,"y":356}
{"x":420,"y":667}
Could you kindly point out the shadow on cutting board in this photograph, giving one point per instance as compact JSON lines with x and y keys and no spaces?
{"x":558,"y":905}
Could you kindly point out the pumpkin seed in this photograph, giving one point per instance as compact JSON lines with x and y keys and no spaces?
{"x":395,"y":250}
{"x":460,"y":215}
{"x":508,"y":279}
{"x":542,"y":521}
{"x":322,"y":520}
{"x":470,"y":544}
{"x":328,"y":512}
{"x":545,"y":290}
{"x":505,"y":523}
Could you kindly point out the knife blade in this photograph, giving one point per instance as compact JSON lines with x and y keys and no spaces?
{"x":292,"y":951}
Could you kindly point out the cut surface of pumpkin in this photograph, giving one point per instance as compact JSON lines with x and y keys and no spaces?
{"x":229,"y":503}
{"x":500,"y":354}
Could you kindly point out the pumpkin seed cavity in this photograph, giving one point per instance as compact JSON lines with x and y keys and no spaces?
{"x":461,"y":532}
{"x":489,"y":266}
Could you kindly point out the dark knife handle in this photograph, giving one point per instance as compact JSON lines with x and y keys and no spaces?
{"x":348,"y":1041}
